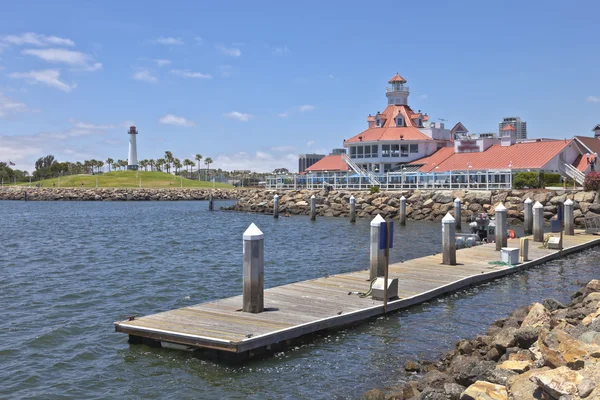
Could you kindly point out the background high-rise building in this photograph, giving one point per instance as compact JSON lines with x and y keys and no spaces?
{"x":515,"y":122}
{"x":306,"y":160}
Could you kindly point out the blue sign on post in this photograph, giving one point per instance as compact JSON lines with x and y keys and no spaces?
{"x":383,"y":235}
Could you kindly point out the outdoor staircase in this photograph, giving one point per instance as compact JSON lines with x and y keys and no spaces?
{"x":574,"y":173}
{"x":354,"y":167}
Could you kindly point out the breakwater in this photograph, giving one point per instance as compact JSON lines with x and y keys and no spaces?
{"x":546,"y":350}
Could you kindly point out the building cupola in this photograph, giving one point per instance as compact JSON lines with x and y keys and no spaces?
{"x":397,"y":93}
{"x":596,"y":131}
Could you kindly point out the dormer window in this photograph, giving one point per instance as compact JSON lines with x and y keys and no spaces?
{"x":420,"y":122}
{"x":378,"y":123}
{"x":399,"y":121}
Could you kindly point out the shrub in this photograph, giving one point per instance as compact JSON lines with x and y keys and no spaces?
{"x":592,"y":181}
{"x":551,"y":179}
{"x":374,"y":189}
{"x":525,"y":180}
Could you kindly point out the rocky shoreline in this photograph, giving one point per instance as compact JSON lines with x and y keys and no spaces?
{"x":420,"y":205}
{"x":547,"y":350}
{"x":114,"y":194}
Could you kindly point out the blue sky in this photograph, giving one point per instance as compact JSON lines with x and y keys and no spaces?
{"x":252,"y":84}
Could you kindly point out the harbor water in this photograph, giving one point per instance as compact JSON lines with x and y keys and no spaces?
{"x":68,"y":270}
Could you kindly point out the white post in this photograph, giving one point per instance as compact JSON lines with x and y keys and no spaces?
{"x":377,"y":267}
{"x":448,"y":240}
{"x":402,"y":211}
{"x":96,"y":182}
{"x":352,"y":209}
{"x":528,"y":216}
{"x":140,"y":183}
{"x":254,"y":270}
{"x":180,"y":181}
{"x":569,"y":220}
{"x":59,"y":181}
{"x":538,"y":222}
{"x":276,"y":206}
{"x":457,"y":213}
{"x":501,"y":227}
{"x":313,"y":208}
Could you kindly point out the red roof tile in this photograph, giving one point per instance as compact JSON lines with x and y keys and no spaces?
{"x":508,"y":128}
{"x":581,"y":163}
{"x":389,"y":131}
{"x":532,"y":155}
{"x":425,"y":117}
{"x":329,"y":163}
{"x":397,"y":78}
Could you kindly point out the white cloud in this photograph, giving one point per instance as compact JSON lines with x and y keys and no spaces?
{"x":259,"y":162}
{"x":306,"y":107}
{"x":283,"y":148}
{"x":190,"y":74}
{"x":593,"y":99}
{"x":229,"y":51}
{"x":239,"y":116}
{"x":170,"y":41}
{"x":9,"y":107}
{"x":226,"y":70}
{"x":34,"y":39}
{"x":198,"y":40}
{"x":283,"y":114}
{"x":162,"y":62}
{"x":94,"y":127}
{"x":331,"y":76}
{"x":279,"y":51}
{"x":424,"y":96}
{"x":49,"y":77}
{"x":171,"y":119}
{"x":65,"y":56}
{"x":145,"y":75}
{"x":310,"y":143}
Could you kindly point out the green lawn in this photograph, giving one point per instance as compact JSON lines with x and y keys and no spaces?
{"x":121,"y":179}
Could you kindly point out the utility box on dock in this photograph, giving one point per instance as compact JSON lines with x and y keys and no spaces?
{"x":554,"y":243}
{"x":510,"y":255}
{"x":377,"y":289}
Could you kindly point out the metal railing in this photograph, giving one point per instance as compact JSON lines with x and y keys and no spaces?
{"x":356,"y":168}
{"x":574,"y":173}
{"x":396,"y":89}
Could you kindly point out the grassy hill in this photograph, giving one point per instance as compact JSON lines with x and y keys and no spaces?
{"x":121,"y":179}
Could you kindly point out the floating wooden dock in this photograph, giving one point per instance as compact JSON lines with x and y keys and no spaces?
{"x":306,"y":307}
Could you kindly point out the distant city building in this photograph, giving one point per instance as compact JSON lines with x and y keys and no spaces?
{"x":306,"y":160}
{"x":515,"y":122}
{"x":337,"y":152}
{"x":132,"y":163}
{"x":488,"y":135}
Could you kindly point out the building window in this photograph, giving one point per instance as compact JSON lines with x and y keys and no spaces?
{"x":387,"y":167}
{"x":404,"y":150}
{"x":385,"y":150}
{"x":374,"y":151}
{"x":420,"y":122}
{"x":378,"y":123}
{"x":414,"y":148}
{"x":367,"y":151}
{"x":353,"y":152}
{"x":395,"y":150}
{"x":359,"y":151}
{"x":399,"y":121}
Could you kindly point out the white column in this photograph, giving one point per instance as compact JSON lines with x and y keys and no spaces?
{"x":501,"y":227}
{"x":448,"y":240}
{"x":132,"y":158}
{"x":457,"y":213}
{"x":276,"y":206}
{"x":538,"y":222}
{"x":528,"y":216}
{"x":254,"y":270}
{"x":377,"y":267}
{"x":313,"y":208}
{"x":352,"y":209}
{"x":569,"y":220}
{"x":402,"y":211}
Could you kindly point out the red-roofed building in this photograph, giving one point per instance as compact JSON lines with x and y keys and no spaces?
{"x":331,"y":163}
{"x":396,"y":136}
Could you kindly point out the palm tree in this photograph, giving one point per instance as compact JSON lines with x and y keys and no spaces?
{"x":152,"y":163}
{"x":176,"y":164}
{"x":198,"y":158}
{"x":188,"y":163}
{"x":109,"y":162}
{"x":208,"y":161}
{"x":168,"y":160}
{"x":99,"y":164}
{"x":159,"y":164}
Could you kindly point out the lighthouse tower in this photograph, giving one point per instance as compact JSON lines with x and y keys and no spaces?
{"x":397,"y":93}
{"x":132,"y":163}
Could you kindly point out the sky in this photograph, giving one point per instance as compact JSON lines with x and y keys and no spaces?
{"x":254,"y":84}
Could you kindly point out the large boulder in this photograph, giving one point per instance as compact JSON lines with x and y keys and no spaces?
{"x":520,"y":387}
{"x":558,"y":382}
{"x":482,"y":390}
{"x":443,"y":196}
{"x":537,"y":318}
{"x":478,"y":196}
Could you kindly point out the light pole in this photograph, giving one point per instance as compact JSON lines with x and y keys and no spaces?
{"x":469,"y":166}
{"x":510,"y":176}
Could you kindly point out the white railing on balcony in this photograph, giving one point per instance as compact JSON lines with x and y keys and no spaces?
{"x":574,"y":173}
{"x":396,"y":89}
{"x":360,"y":171}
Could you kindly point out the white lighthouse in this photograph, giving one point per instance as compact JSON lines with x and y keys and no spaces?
{"x":132,"y":163}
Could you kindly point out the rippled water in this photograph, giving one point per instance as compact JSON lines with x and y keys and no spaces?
{"x":68,"y":270}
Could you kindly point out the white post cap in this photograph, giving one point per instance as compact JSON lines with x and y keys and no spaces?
{"x":351,"y":197}
{"x":377,"y":220}
{"x":500,"y":208}
{"x":276,"y":196}
{"x":448,"y":219}
{"x":253,"y":233}
{"x":457,"y":200}
{"x":402,"y":198}
{"x":538,"y":205}
{"x":569,"y":202}
{"x":528,"y":201}
{"x":313,"y":197}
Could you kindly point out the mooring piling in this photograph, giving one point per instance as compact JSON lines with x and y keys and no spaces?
{"x":538,"y":222}
{"x":448,"y":240}
{"x":313,"y":208}
{"x":524,"y":249}
{"x":457,"y":213}
{"x":569,"y":220}
{"x":211,"y":203}
{"x":377,"y":258}
{"x":352,"y":209}
{"x":254,"y":270}
{"x":402,"y":211}
{"x":276,"y":206}
{"x":528,"y":216}
{"x":501,"y":227}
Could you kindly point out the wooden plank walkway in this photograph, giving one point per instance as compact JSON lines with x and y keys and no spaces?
{"x":310,"y":306}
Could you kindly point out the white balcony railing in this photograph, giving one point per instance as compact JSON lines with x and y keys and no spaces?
{"x":396,"y":89}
